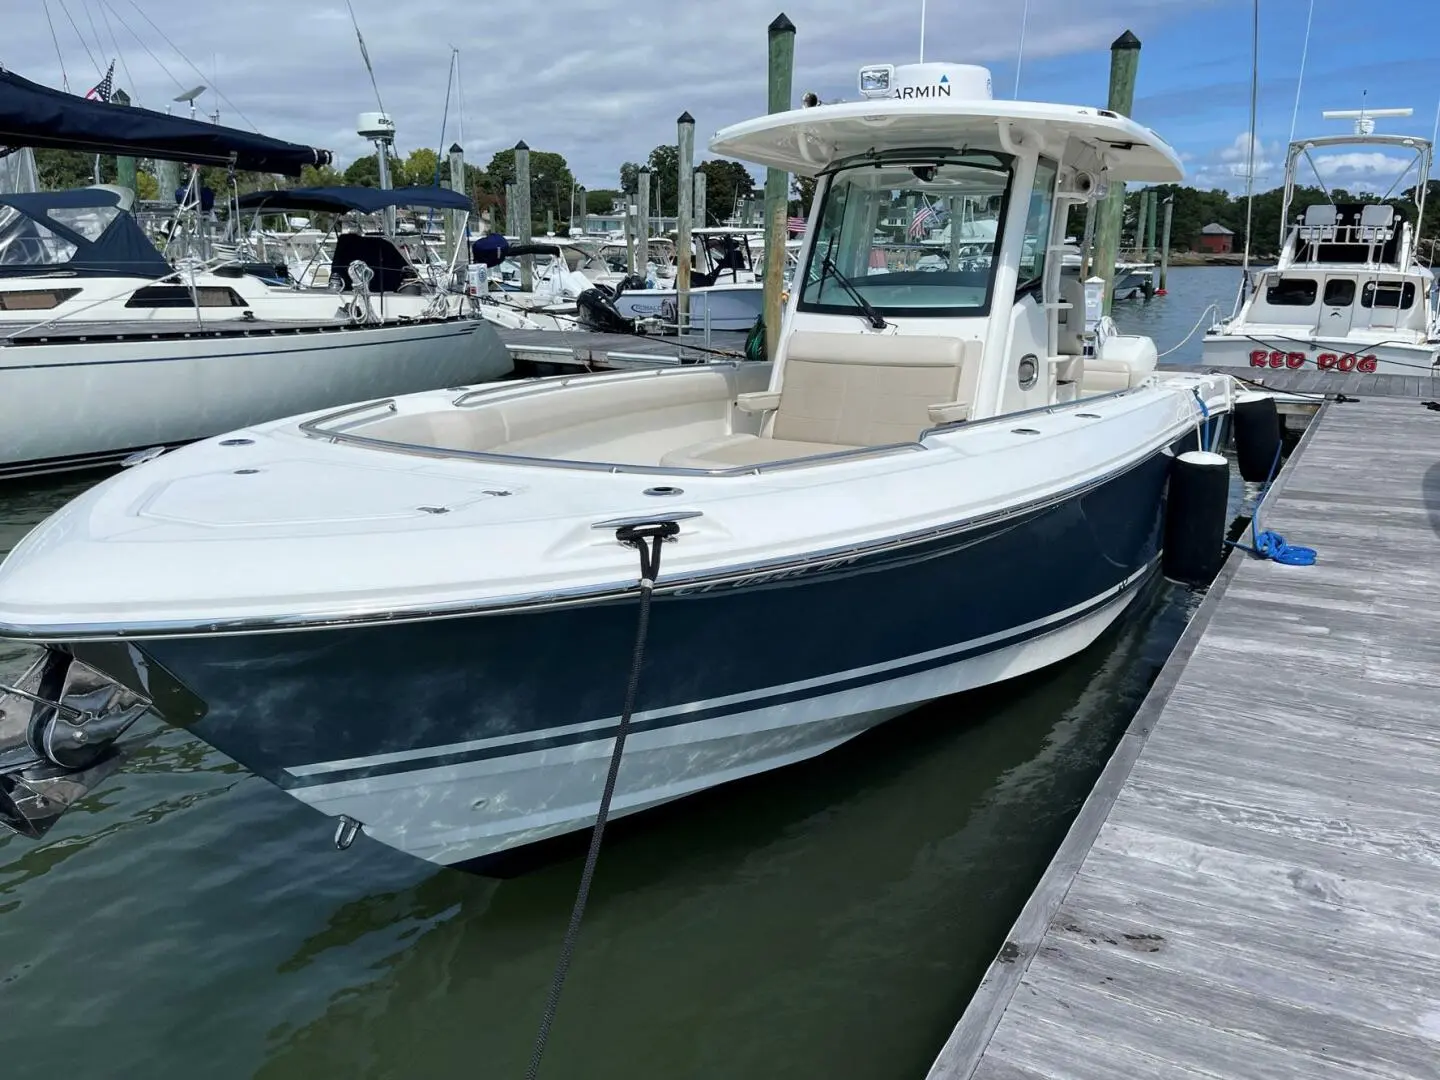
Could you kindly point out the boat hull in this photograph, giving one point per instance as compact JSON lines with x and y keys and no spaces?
{"x":68,"y":403}
{"x":1260,"y":353}
{"x":719,"y":307}
{"x":459,"y":738}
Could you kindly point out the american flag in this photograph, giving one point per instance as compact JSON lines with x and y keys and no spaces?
{"x":101,"y":90}
{"x":922,"y":219}
{"x":795,"y":224}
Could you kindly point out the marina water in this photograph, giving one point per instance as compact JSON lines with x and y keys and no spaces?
{"x":827,"y":920}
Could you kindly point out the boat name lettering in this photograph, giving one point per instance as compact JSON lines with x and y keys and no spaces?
{"x":1265,"y":358}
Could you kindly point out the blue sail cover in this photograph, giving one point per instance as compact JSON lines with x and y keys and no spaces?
{"x":39,"y":116}
{"x":83,"y":232}
{"x":339,"y":200}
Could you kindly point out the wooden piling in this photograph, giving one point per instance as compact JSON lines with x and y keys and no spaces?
{"x":1165,"y":245}
{"x":522,"y":213}
{"x":685,"y":138}
{"x":1152,"y":197}
{"x":1142,"y":214}
{"x":630,"y":235}
{"x":642,"y":227}
{"x":456,"y":220}
{"x":777,"y":181}
{"x":1124,"y":63}
{"x":699,"y":205}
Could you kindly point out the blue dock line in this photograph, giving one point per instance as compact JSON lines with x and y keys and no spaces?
{"x":1268,"y":544}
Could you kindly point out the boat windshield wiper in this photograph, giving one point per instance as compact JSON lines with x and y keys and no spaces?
{"x":871,"y":312}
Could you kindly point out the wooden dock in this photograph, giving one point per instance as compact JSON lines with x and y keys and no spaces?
{"x":1421,"y":385}
{"x":1253,"y":888}
{"x":592,"y":351}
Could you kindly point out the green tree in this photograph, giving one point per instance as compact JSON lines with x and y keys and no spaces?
{"x":421,"y":169}
{"x":601,"y":200}
{"x":319,"y":176}
{"x":551,"y":182}
{"x":365,"y":171}
{"x":726,"y":183}
{"x":664,"y":162}
{"x":629,"y":178}
{"x":802,"y":194}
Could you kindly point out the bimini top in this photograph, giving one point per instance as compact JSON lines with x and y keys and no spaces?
{"x":39,"y":116}
{"x":933,"y":106}
{"x":340,"y":200}
{"x":88,"y":231}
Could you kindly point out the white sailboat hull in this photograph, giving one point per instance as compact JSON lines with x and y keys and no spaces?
{"x":76,"y":402}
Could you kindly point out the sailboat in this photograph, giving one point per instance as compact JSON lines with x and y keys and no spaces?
{"x":107,"y":348}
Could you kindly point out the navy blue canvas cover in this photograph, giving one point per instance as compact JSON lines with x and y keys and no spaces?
{"x":339,"y":200}
{"x":42,"y":117}
{"x":122,"y":249}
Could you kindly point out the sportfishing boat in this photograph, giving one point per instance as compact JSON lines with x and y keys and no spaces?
{"x":417,"y":614}
{"x":1348,"y":293}
{"x":108,"y":348}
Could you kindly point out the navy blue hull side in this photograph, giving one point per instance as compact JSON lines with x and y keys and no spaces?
{"x":290,"y":699}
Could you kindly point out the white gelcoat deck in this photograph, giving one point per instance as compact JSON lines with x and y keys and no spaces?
{"x":159,"y":544}
{"x":1251,"y":889}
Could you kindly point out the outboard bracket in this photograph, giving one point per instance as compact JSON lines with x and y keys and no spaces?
{"x":58,"y":726}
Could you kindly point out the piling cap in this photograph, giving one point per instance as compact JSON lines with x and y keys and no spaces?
{"x":521,"y":145}
{"x":782,"y":25}
{"x":645,"y":169}
{"x":1127,"y":40}
{"x":456,"y":148}
{"x":686,"y":118}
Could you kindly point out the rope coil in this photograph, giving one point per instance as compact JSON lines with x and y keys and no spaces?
{"x":1268,"y":544}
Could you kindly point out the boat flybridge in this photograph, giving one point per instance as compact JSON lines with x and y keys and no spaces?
{"x":1348,"y":293}
{"x":417,"y":613}
{"x":109,"y":347}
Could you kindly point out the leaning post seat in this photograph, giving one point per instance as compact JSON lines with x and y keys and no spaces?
{"x":846,"y":391}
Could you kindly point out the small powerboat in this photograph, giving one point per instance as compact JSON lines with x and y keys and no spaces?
{"x":417,"y":614}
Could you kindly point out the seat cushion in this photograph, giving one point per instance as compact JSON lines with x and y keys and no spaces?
{"x":734,"y":451}
{"x":860,"y":404}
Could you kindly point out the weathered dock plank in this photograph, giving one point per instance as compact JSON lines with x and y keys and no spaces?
{"x":1253,"y":888}
{"x":1310,"y":381}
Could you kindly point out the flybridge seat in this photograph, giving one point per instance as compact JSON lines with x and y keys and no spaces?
{"x":847,"y":391}
{"x":1319,"y":223}
{"x":1348,"y":233}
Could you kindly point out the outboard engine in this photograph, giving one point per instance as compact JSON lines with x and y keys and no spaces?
{"x":58,"y":726}
{"x":598,"y":312}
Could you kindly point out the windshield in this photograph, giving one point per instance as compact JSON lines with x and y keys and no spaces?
{"x":26,"y":242}
{"x":912,"y":237}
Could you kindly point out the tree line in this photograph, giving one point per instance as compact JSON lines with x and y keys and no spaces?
{"x":1193,"y":209}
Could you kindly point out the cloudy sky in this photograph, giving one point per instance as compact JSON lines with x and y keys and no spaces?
{"x":602,"y":81}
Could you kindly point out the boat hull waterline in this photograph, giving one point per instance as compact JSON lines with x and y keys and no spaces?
{"x":67,"y":403}
{"x":459,"y":738}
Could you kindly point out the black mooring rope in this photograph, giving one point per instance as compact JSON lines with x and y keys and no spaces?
{"x":647,"y":539}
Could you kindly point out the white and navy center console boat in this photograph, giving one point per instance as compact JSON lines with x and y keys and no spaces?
{"x":416,"y":614}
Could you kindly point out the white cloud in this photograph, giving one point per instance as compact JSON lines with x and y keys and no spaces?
{"x":599,"y":81}
{"x":1229,"y":166}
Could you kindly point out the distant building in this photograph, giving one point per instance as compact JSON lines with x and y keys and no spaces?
{"x":1216,"y":239}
